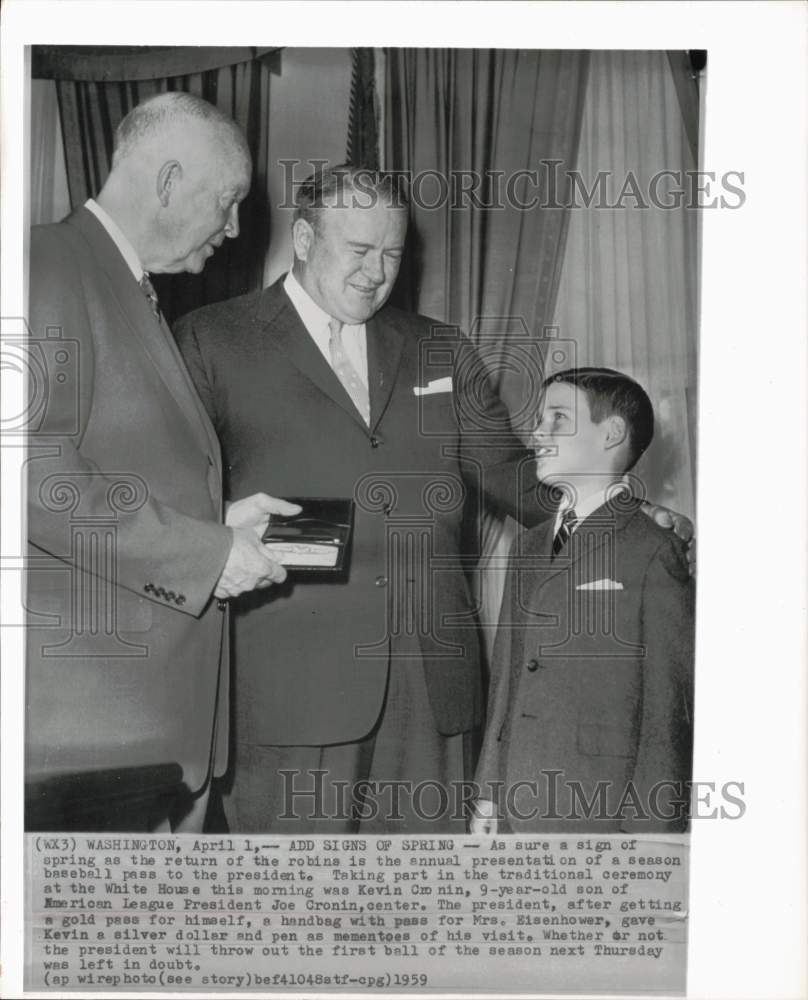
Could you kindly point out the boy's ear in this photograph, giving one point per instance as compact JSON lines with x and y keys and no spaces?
{"x":616,"y":431}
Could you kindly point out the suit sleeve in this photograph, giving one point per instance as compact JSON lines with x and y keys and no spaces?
{"x":497,"y":467}
{"x":153,"y":541}
{"x":664,"y":758}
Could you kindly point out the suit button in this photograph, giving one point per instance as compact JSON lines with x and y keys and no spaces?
{"x":532,"y":665}
{"x":381,"y":581}
{"x":374,"y":442}
{"x":221,"y":605}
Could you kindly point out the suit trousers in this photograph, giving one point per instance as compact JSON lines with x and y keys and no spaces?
{"x":403,"y":777}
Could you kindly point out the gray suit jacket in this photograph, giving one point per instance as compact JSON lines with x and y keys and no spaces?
{"x":124,"y":523}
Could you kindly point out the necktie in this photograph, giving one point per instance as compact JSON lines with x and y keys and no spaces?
{"x":568,"y":522}
{"x":346,"y":372}
{"x":148,"y":290}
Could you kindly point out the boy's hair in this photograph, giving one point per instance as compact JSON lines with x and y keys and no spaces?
{"x":608,"y":393}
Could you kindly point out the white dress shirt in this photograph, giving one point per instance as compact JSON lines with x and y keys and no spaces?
{"x":117,"y":237}
{"x":316,"y":320}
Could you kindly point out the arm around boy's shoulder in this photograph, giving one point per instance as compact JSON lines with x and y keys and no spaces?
{"x":664,"y":760}
{"x":672,"y":558}
{"x":668,"y":606}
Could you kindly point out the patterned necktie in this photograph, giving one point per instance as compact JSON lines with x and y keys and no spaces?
{"x":148,"y":290}
{"x":346,"y":372}
{"x":565,"y":529}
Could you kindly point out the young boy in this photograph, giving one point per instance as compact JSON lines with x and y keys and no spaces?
{"x":590,"y":709}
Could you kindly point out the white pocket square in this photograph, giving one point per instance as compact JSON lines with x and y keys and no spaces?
{"x":435,"y":386}
{"x":600,"y":585}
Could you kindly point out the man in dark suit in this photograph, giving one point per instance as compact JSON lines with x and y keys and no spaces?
{"x":319,"y":389}
{"x":374,"y":676}
{"x":591,"y":704}
{"x":126,"y":669}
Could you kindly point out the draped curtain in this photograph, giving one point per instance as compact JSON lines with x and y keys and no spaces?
{"x":629,"y":288}
{"x":49,"y":194}
{"x":97,"y":88}
{"x":363,"y":111}
{"x":492,"y":271}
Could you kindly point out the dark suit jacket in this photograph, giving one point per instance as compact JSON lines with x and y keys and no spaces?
{"x":595,"y":683}
{"x":124,"y":486}
{"x":312,"y":656}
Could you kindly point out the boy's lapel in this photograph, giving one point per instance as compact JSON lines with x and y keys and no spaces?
{"x":591,"y":552}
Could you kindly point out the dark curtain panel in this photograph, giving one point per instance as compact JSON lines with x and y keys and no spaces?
{"x":481,"y":260}
{"x":92,"y":109}
{"x":472,"y":120}
{"x":363,"y":134}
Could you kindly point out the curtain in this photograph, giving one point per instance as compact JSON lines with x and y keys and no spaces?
{"x":363,"y":111}
{"x":453,"y":117}
{"x":454,"y":111}
{"x":686,"y":68}
{"x":49,"y":196}
{"x":629,"y":290}
{"x":91,"y":109}
{"x":105,"y":63}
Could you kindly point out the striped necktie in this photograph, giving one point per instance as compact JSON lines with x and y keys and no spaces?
{"x":565,"y":529}
{"x":148,"y":290}
{"x":346,"y":372}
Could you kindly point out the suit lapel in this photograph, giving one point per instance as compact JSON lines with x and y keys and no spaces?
{"x":385,"y":345}
{"x":192,"y":396}
{"x":154,"y":337}
{"x":590,"y":554}
{"x":535,"y":548}
{"x":287,"y":333}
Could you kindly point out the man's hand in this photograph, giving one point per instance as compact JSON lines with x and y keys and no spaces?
{"x":682,"y":525}
{"x":248,"y":566}
{"x":254,"y":512}
{"x":484,"y":820}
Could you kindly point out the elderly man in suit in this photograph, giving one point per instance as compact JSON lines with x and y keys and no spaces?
{"x":357,"y":697}
{"x":127,"y":686}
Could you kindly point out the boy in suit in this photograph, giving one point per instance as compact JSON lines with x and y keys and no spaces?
{"x":590,"y":708}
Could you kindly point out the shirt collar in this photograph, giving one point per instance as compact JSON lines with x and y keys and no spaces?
{"x":314,"y":318}
{"x":116,"y":235}
{"x":584,"y":506}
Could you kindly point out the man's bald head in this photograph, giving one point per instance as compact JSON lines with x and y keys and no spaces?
{"x":180,"y":168}
{"x":161,"y":121}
